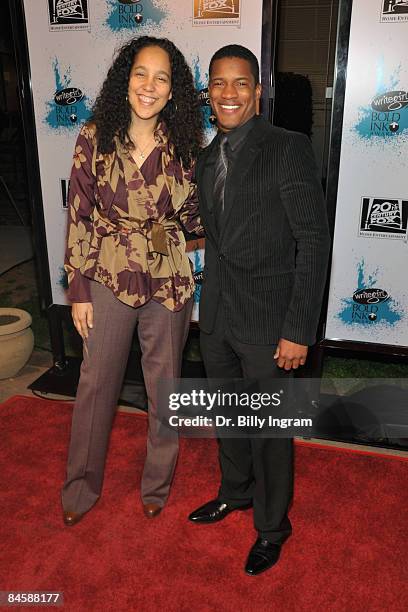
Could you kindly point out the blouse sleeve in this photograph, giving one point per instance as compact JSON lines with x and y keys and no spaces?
{"x":189,"y":212}
{"x":81,"y":201}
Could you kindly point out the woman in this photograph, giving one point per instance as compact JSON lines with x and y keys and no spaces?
{"x":131,"y":185}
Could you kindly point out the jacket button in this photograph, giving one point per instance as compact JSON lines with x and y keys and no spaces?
{"x":221,"y":256}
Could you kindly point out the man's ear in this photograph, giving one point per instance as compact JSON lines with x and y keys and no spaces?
{"x":258,"y":93}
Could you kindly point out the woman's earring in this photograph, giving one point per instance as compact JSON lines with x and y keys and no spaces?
{"x":212,"y":119}
{"x":127,"y":98}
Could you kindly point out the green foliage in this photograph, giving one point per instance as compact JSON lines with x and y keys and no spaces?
{"x":336,"y":367}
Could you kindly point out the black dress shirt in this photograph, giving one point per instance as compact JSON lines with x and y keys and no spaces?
{"x":236,"y":140}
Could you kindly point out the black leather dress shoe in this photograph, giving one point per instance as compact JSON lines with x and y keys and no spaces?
{"x":262,"y":556}
{"x":213,"y":511}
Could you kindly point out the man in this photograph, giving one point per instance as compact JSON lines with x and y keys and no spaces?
{"x":267,"y":245}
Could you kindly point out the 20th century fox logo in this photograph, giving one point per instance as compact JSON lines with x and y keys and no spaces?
{"x":384,"y":218}
{"x":394,"y":11}
{"x":216,"y":12}
{"x":68,"y":15}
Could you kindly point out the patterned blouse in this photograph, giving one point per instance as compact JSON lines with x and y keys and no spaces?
{"x":124,"y":226}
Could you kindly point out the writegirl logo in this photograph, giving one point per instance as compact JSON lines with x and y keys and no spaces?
{"x":69,"y":106}
{"x":369,"y":305}
{"x":386,"y":116}
{"x":132,"y":14}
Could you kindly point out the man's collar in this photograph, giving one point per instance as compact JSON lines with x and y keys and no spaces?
{"x":237,"y":136}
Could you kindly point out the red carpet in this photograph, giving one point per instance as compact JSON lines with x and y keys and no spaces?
{"x":348,"y":550}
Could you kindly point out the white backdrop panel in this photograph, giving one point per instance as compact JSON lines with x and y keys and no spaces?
{"x":368,"y":299}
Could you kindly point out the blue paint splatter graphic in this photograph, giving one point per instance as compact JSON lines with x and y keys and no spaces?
{"x":63,"y":278}
{"x":135,"y":15}
{"x":202,"y":89}
{"x":354,"y":313}
{"x":66,"y":116}
{"x":198,"y":269}
{"x":386,"y":123}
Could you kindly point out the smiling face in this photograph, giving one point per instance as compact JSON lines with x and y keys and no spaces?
{"x":234,"y":95}
{"x":149,"y":83}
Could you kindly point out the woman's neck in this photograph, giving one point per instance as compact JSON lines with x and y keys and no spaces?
{"x":142,"y":129}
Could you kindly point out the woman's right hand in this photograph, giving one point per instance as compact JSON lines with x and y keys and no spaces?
{"x":82,"y":314}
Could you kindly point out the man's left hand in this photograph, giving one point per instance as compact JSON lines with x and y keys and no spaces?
{"x":290,"y":355}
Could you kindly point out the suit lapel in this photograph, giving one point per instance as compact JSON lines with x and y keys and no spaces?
{"x":245,"y":161}
{"x":205,"y":212}
{"x":202,"y":159}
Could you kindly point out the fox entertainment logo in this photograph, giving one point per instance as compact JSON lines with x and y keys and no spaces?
{"x":384,"y":218}
{"x":216,"y":12}
{"x":394,"y":11}
{"x":68,"y":15}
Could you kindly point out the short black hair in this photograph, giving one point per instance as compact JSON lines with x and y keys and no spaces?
{"x":237,"y":51}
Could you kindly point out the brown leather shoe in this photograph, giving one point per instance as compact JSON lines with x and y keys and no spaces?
{"x":72,"y":518}
{"x":151,"y":510}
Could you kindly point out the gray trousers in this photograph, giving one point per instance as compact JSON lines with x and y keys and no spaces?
{"x":162,"y":335}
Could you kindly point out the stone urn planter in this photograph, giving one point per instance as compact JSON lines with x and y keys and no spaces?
{"x":16,"y":341}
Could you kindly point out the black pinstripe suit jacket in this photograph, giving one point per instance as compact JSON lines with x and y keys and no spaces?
{"x":268,"y":261}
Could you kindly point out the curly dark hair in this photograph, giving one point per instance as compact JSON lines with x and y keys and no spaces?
{"x":182,"y":115}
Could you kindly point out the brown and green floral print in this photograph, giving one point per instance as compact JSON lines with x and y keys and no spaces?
{"x":124,"y":225}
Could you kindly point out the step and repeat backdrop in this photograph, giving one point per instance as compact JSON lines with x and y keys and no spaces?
{"x":71,"y":44}
{"x":368,"y":299}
